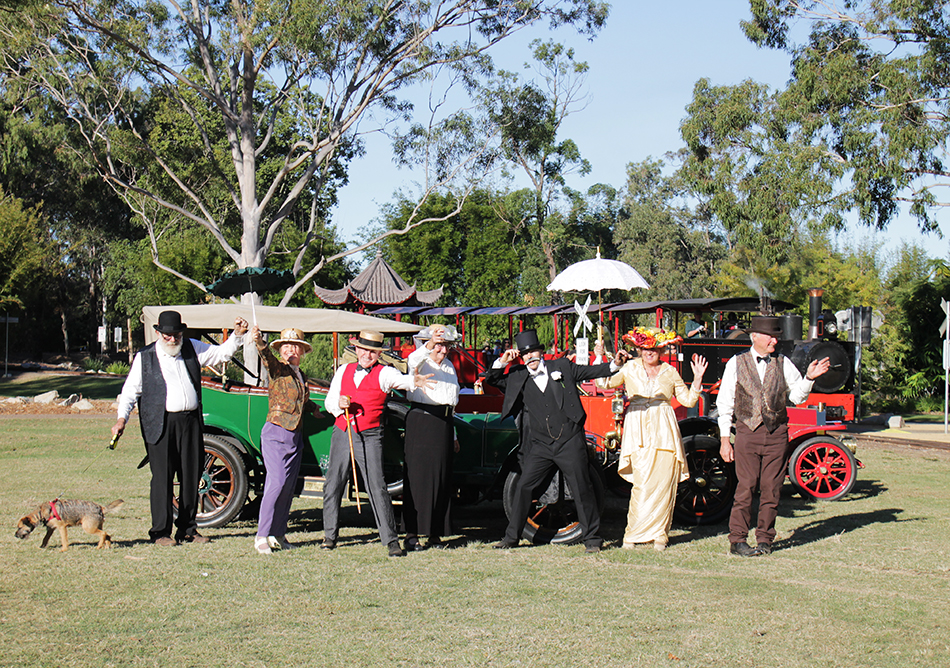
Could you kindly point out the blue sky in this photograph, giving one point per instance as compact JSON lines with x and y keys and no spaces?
{"x":643,"y":66}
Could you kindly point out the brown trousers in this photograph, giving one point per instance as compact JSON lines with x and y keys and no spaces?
{"x":760,"y":463}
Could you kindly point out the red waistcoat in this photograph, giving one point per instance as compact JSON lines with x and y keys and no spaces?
{"x":366,"y":401}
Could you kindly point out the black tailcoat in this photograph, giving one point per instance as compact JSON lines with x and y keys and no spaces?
{"x":552,"y":434}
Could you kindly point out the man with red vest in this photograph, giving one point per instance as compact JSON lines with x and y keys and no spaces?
{"x":361,"y":388}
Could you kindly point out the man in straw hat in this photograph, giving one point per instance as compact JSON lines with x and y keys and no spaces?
{"x":356,"y":398}
{"x":552,"y":429}
{"x":165,"y":380}
{"x":756,"y":388}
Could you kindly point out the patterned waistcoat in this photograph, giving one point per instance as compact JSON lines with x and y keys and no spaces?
{"x":761,"y":401}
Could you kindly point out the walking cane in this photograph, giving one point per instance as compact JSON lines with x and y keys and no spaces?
{"x":349,"y":432}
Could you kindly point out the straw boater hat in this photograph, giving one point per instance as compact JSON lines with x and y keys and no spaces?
{"x":766,"y":324}
{"x":449,"y":334}
{"x":369,"y":340}
{"x":290,"y":335}
{"x":651,"y":338}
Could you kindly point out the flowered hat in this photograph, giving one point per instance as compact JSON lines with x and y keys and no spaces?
{"x":650,"y":338}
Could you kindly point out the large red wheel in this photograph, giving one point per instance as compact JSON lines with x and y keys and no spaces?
{"x":823,"y":467}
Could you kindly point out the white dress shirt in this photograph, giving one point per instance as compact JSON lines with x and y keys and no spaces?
{"x":798,"y":388}
{"x":540,"y":375}
{"x":180,"y":394}
{"x":446,"y":390}
{"x":389,"y":379}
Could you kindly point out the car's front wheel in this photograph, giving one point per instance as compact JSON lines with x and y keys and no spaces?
{"x":222,"y":489}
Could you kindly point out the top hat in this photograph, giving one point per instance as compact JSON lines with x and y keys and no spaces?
{"x":527,"y":341}
{"x":290,"y":335}
{"x":369,"y":340}
{"x":169,"y":322}
{"x":766,"y":324}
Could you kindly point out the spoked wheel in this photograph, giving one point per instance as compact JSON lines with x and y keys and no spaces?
{"x":823,"y":468}
{"x":222,"y":489}
{"x":552,"y":514}
{"x":706,"y":498}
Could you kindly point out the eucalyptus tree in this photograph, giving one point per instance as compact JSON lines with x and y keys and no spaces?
{"x":236,"y":70}
{"x":661,"y":236}
{"x":530,"y":115}
{"x":860,"y":128}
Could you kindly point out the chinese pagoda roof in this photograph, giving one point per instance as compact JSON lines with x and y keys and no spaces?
{"x":378,"y":285}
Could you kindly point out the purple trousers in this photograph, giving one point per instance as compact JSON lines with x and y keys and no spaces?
{"x":282,"y":451}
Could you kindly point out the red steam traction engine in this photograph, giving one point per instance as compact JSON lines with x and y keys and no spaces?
{"x":821,"y":456}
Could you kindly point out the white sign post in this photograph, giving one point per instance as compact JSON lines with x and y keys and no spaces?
{"x":581,"y":349}
{"x":945,"y":332}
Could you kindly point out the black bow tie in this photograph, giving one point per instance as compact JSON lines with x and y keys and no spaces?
{"x":763,"y":359}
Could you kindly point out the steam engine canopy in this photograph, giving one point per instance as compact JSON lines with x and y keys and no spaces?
{"x":839,"y":374}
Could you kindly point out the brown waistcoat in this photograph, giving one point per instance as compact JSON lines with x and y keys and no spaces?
{"x":287,"y":398}
{"x":761,"y":402}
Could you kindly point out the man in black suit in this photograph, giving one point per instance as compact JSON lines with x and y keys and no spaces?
{"x":545,"y":395}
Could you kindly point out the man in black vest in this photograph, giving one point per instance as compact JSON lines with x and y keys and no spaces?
{"x":756,"y":387}
{"x":552,"y":429}
{"x":165,"y":380}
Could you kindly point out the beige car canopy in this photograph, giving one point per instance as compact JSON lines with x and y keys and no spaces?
{"x":216,"y":317}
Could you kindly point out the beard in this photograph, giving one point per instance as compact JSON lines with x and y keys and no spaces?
{"x":170,"y":349}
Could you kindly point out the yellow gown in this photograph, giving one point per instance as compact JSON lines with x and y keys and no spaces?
{"x":652,"y":458}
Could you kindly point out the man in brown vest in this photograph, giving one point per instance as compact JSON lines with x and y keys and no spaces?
{"x":756,"y":388}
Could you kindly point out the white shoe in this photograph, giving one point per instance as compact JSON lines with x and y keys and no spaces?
{"x":281,"y":543}
{"x":260,"y":544}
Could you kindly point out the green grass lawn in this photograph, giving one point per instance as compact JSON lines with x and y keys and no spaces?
{"x":860,"y":582}
{"x":91,"y":386}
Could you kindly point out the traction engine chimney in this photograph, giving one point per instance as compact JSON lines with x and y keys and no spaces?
{"x":814,"y":313}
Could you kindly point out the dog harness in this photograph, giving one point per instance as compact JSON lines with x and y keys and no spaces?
{"x":53,"y":511}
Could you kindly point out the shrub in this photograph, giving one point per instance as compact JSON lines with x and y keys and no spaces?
{"x":93,"y":364}
{"x":118,"y":369}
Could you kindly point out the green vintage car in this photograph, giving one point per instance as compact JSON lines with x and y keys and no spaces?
{"x":486,"y":466}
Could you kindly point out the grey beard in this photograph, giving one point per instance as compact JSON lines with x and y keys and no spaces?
{"x":169,"y":349}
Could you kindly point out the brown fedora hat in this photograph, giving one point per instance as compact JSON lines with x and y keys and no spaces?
{"x":766,"y":324}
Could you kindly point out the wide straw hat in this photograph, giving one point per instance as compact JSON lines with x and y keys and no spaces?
{"x":448,"y":332}
{"x":290,"y":335}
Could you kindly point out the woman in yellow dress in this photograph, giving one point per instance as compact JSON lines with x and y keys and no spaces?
{"x":652,"y":458}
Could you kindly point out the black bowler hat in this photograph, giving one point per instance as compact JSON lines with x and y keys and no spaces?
{"x":766,"y":324}
{"x":169,"y":322}
{"x":527,"y":341}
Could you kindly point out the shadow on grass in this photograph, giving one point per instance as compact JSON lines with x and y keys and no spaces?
{"x":104,"y":388}
{"x":836,"y":526}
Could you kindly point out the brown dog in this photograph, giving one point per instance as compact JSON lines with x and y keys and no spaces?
{"x":62,"y":513}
